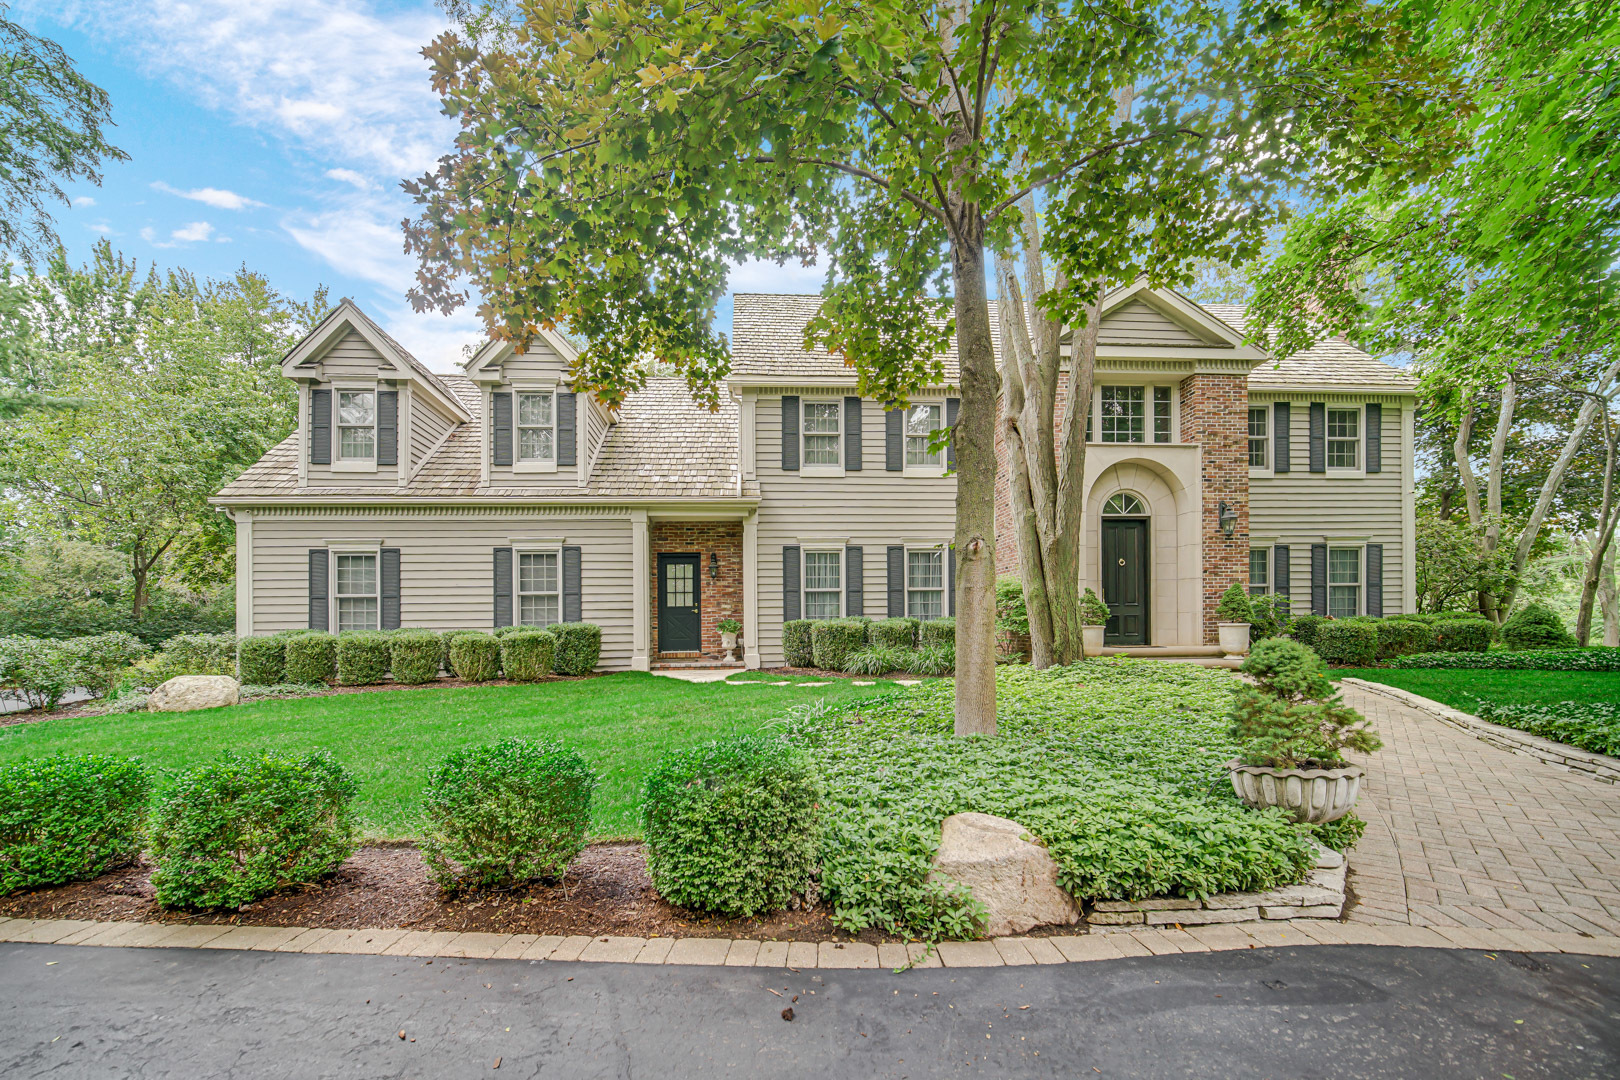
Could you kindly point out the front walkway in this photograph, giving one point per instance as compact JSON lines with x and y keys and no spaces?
{"x":1464,"y":834}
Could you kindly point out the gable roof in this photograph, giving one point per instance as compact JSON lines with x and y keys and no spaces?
{"x":1333,"y":363}
{"x":347,"y":316}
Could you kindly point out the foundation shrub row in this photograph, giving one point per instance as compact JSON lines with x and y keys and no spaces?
{"x":413,"y":656}
{"x":872,"y":647}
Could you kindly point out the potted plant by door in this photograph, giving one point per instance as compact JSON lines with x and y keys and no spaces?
{"x":1234,"y":613}
{"x":1295,"y":730}
{"x":1093,"y":617}
{"x":729,"y":629}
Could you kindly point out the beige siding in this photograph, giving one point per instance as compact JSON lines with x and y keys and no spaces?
{"x":428,"y":426}
{"x":595,"y":426}
{"x":446,"y":567}
{"x":872,"y":509}
{"x":1136,"y":323}
{"x":1301,"y":508}
{"x":354,"y":358}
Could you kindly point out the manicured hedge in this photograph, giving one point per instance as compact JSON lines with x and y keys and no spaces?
{"x":1402,"y":637}
{"x":1347,"y":642}
{"x":311,"y":657}
{"x":69,"y":817}
{"x":475,"y":656}
{"x":579,"y":647}
{"x":797,"y":648}
{"x":1464,"y":634}
{"x":261,"y":661}
{"x":240,"y":828}
{"x":415,"y":656}
{"x":1304,"y":628}
{"x":362,"y":658}
{"x":528,"y":656}
{"x":1536,"y":626}
{"x":834,"y":641}
{"x":1597,"y":658}
{"x":937,"y":632}
{"x":894,"y":633}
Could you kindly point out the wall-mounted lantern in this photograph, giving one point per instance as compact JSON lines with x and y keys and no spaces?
{"x":1227,"y":515}
{"x":714,"y":565}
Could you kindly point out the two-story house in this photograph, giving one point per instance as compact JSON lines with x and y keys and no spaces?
{"x":499,"y":496}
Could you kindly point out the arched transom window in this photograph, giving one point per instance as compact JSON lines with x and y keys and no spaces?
{"x":1125,"y":505}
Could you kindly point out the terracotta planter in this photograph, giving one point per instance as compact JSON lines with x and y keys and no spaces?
{"x":1306,"y":795}
{"x":1092,"y":638}
{"x":1235,"y":638}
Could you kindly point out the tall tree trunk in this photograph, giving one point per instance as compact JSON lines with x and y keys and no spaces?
{"x":1609,"y":601}
{"x":1488,"y":605}
{"x":139,"y":568}
{"x":1602,"y":540}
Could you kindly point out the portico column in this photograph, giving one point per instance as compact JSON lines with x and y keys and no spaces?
{"x":750,"y":555}
{"x":244,"y":571}
{"x":640,"y":593}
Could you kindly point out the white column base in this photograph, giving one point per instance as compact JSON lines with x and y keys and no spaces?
{"x":640,"y":663}
{"x":751,"y":661}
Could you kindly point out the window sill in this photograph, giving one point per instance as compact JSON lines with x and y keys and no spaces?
{"x":354,"y":465}
{"x":1255,"y":474}
{"x":1345,"y":474}
{"x":533,"y":467}
{"x":821,"y":470}
{"x":935,"y":471}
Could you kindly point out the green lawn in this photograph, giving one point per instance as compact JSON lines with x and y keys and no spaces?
{"x":1464,"y":688}
{"x":622,"y":724}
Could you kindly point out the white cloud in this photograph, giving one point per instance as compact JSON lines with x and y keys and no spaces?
{"x":349,"y":176}
{"x":357,"y":236}
{"x":757,"y":275}
{"x":216,"y":197}
{"x":195,"y":232}
{"x":84,"y":200}
{"x":438,"y":341}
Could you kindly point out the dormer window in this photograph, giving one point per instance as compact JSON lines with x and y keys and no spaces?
{"x":357,"y":425}
{"x":537,"y":427}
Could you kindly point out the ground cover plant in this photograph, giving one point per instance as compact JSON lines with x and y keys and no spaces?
{"x":1586,"y":725}
{"x":1117,"y":765}
{"x":392,"y":739}
{"x":1597,"y":658}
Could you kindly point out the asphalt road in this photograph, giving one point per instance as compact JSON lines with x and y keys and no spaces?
{"x":1346,"y":1011}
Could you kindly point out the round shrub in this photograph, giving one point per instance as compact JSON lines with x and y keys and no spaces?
{"x":311,"y":657}
{"x":1234,"y":605}
{"x":69,"y":817}
{"x":797,"y":649}
{"x":1347,"y":643}
{"x":731,"y":827}
{"x":527,"y":657}
{"x":579,"y":647}
{"x":834,"y":641}
{"x":362,"y":658}
{"x":475,"y":656}
{"x":1403,"y":637}
{"x":240,"y":828}
{"x":895,"y":633}
{"x":1536,"y":626}
{"x":1305,"y":628}
{"x":415,"y":656}
{"x":502,"y":631}
{"x":507,"y":813}
{"x":261,"y":661}
{"x":937,"y":632}
{"x":1464,"y":633}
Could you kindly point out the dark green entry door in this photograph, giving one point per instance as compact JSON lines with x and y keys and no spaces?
{"x":1125,"y":580}
{"x":679,"y":627}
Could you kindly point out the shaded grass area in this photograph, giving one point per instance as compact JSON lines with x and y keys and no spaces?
{"x":1465,"y":689}
{"x":621,"y":723}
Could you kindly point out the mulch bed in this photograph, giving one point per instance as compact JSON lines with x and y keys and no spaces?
{"x":607,"y":891}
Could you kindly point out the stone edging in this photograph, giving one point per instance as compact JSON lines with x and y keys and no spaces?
{"x":1598,"y":766}
{"x":1320,"y":896}
{"x":797,"y":955}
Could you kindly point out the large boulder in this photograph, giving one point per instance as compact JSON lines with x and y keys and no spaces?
{"x":1015,"y":879}
{"x":184,"y":693}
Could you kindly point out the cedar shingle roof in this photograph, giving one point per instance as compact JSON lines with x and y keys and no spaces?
{"x":767,"y":339}
{"x":1331,"y":363}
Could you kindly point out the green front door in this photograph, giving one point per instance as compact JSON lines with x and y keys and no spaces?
{"x":679,"y":625}
{"x":1125,"y":580}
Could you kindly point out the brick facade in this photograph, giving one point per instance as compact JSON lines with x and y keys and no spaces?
{"x":719,"y":597}
{"x":1215,"y":415}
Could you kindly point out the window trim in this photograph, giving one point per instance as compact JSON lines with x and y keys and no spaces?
{"x":1149,"y":385}
{"x":805,"y":552}
{"x":805,"y":467}
{"x":1359,"y":470}
{"x":336,"y":551}
{"x":518,"y":551}
{"x":944,"y":586}
{"x":351,"y":464}
{"x":519,"y":465}
{"x":1270,"y":439}
{"x":1269,"y":589}
{"x":906,"y":468}
{"x":1360,"y":549}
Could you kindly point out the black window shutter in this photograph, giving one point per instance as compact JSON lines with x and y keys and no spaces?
{"x":1375,"y":577}
{"x":950,"y":580}
{"x":390,"y":589}
{"x":852,"y":433}
{"x":318,"y":608}
{"x":388,"y":427}
{"x":572,"y":583}
{"x":502,"y":453}
{"x":1318,"y":437}
{"x":953,"y":406}
{"x":503,"y":586}
{"x":566,"y":436}
{"x":320,"y":427}
{"x":894,"y":440}
{"x":897,"y":582}
{"x":1279,"y":450}
{"x":854,"y":581}
{"x":790,"y":434}
{"x":1318,"y":579}
{"x":1375,"y":439}
{"x":1279,"y":570}
{"x":790,"y":584}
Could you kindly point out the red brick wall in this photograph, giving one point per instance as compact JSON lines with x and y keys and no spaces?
{"x":1214,"y":414}
{"x":719,"y":597}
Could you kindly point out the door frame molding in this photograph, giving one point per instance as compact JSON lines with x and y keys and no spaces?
{"x":663,"y":558}
{"x":1146,"y":521}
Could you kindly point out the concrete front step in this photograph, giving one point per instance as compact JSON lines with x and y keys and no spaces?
{"x":1163,"y":652}
{"x":692,"y":665}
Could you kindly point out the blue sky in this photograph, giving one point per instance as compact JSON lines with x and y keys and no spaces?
{"x":275,"y":133}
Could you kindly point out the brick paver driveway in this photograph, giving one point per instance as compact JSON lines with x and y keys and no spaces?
{"x":1461,"y":833}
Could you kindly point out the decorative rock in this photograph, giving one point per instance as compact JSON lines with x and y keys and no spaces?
{"x":1013,"y":878}
{"x":1203,"y":917}
{"x":183,"y":693}
{"x":1326,"y":857}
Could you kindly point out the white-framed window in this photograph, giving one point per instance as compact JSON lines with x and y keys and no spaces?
{"x":1124,"y":414}
{"x":1259,"y":571}
{"x":923,"y":419}
{"x":1259,"y":437}
{"x":823,"y":584}
{"x":357,"y":591}
{"x":1124,"y":504}
{"x":1162,"y":418}
{"x":357,"y":425}
{"x":822,"y":429}
{"x":537,"y":427}
{"x":1344,"y":582}
{"x":925,"y":583}
{"x":1344,"y":439}
{"x":539,"y":588}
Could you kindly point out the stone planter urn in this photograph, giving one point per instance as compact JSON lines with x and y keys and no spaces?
{"x":1310,"y":796}
{"x":1091,"y":637}
{"x":1235,"y":638}
{"x":728,"y":642}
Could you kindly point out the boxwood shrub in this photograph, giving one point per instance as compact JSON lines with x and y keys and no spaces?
{"x":362,"y":658}
{"x":1536,"y":626}
{"x":937,"y":632}
{"x":834,"y":641}
{"x":579,"y":647}
{"x":797,"y":648}
{"x":1304,"y":629}
{"x":244,"y":826}
{"x":1347,"y":642}
{"x":1464,"y":634}
{"x":475,"y":656}
{"x":1402,"y":637}
{"x":69,"y":817}
{"x":507,"y":813}
{"x":731,"y":827}
{"x":261,"y":661}
{"x":415,"y":656}
{"x":1597,"y":658}
{"x":894,"y":633}
{"x":528,"y":656}
{"x":311,"y":657}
